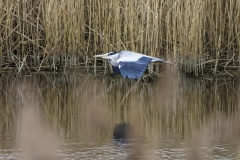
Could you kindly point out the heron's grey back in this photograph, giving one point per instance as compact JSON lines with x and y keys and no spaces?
{"x":129,"y":56}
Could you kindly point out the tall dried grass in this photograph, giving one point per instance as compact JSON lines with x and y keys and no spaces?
{"x":199,"y":35}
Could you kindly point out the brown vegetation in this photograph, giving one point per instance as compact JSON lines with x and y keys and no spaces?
{"x":52,"y":34}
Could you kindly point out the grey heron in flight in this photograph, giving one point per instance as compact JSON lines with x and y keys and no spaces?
{"x":129,"y":64}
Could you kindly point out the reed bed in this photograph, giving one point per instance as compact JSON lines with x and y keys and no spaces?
{"x":202,"y":36}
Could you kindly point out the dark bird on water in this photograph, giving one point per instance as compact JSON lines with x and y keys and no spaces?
{"x":123,"y":132}
{"x":129,"y":64}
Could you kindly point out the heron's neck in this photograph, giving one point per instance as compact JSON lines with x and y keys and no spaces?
{"x":114,"y":61}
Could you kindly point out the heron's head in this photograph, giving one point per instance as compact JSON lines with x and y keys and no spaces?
{"x":110,"y":55}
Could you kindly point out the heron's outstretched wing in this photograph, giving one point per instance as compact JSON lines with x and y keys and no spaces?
{"x":133,"y":69}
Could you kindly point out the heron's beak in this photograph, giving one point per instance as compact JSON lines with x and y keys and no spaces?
{"x":105,"y":56}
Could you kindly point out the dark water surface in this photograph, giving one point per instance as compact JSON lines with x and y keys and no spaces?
{"x":72,"y":116}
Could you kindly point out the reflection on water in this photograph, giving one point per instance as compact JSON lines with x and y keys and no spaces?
{"x":73,"y":116}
